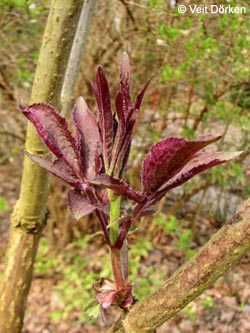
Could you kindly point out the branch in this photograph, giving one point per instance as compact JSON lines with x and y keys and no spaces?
{"x":223,"y":250}
{"x":76,"y":53}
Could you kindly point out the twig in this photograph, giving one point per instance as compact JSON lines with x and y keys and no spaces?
{"x":78,"y":47}
{"x":223,"y":250}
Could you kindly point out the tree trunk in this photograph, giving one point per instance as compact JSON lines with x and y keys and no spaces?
{"x":223,"y":250}
{"x":28,"y":218}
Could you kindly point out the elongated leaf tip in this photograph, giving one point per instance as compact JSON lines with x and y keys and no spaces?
{"x":99,"y":70}
{"x":81,"y":103}
{"x":233,"y":155}
{"x":125,"y":57}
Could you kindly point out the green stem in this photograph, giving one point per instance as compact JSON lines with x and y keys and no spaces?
{"x":115,"y":203}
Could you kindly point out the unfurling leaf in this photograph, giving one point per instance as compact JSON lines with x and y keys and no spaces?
{"x":78,"y":205}
{"x":125,"y":83}
{"x":54,"y":132}
{"x":167,"y":157}
{"x":141,"y":94}
{"x":105,"y":116}
{"x":127,"y":112}
{"x":199,"y":163}
{"x":88,"y":137}
{"x":105,"y":292}
{"x":57,"y":167}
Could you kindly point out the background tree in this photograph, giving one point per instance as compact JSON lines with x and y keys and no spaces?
{"x":28,"y":218}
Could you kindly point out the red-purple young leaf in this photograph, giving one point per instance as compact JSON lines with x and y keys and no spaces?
{"x":106,"y":298}
{"x":105,"y":292}
{"x":125,"y":160}
{"x":119,"y":187}
{"x":54,"y":132}
{"x":58,"y":168}
{"x":125,"y":82}
{"x":199,"y":163}
{"x":88,"y":136}
{"x":120,"y":108}
{"x":79,"y":205}
{"x":121,"y":130}
{"x":127,"y":141}
{"x":105,"y":116}
{"x":167,"y":157}
{"x":141,"y":94}
{"x":204,"y":137}
{"x":122,"y":152}
{"x":108,"y":294}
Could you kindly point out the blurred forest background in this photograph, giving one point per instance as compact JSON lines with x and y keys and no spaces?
{"x":200,"y":65}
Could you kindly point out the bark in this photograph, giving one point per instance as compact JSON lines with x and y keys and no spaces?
{"x":28,"y":218}
{"x":78,"y":47}
{"x":223,"y":250}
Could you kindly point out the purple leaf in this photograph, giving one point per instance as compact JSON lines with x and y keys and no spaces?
{"x":57,"y":168}
{"x":123,"y":154}
{"x":108,"y":294}
{"x":54,"y":132}
{"x":120,"y":109}
{"x":105,"y":292}
{"x":125,"y":82}
{"x":78,"y":205}
{"x":88,"y":136}
{"x":125,"y":160}
{"x":167,"y":158}
{"x":141,"y":94}
{"x":122,"y":149}
{"x":199,"y":163}
{"x":106,"y":298}
{"x":121,"y":130}
{"x":105,"y":116}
